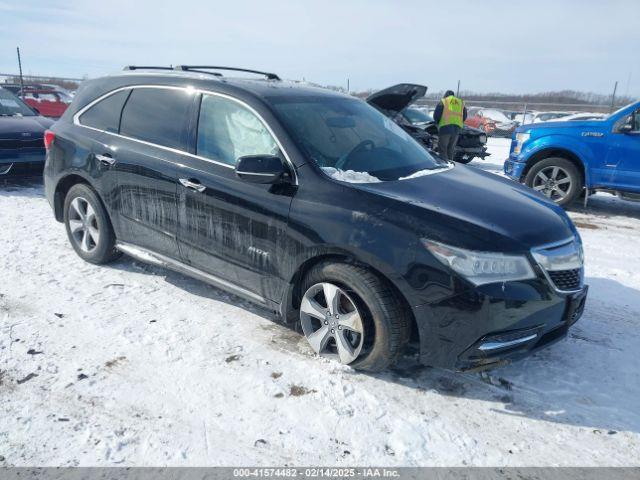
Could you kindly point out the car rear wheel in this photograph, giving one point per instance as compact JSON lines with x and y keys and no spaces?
{"x":557,"y":178}
{"x":349,"y":314}
{"x":88,"y":226}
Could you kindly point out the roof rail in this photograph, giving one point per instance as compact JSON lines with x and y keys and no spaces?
{"x":140,"y":67}
{"x":200,"y":68}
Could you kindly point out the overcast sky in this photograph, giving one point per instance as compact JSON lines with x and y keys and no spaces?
{"x":491,"y":46}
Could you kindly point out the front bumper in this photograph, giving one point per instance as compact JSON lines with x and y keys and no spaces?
{"x":472,"y":152}
{"x":22,"y":155}
{"x":495,"y":324}
{"x":513,"y":169}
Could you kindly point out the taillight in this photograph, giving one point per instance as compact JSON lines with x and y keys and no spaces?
{"x":48,"y":138}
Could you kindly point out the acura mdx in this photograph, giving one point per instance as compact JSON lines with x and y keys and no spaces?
{"x":316,"y":205}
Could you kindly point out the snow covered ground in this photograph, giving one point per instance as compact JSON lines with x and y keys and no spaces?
{"x":135,"y":365}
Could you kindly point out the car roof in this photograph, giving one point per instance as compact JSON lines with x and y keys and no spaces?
{"x":258,"y":86}
{"x":240,"y":87}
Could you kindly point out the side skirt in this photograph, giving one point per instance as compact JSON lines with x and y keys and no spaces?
{"x":147,"y":256}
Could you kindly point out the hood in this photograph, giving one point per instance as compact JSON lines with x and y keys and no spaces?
{"x":487,"y":212}
{"x":23,"y":127}
{"x":397,"y":98}
{"x":590,"y":124}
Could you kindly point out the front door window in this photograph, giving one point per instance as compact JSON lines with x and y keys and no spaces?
{"x":227,"y":131}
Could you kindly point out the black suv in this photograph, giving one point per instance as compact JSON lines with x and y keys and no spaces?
{"x":317,"y":205}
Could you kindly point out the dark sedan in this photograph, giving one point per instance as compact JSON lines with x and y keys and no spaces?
{"x":21,"y":135}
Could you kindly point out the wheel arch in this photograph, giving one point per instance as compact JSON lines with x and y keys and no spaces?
{"x":292,"y":295}
{"x":561,"y":152}
{"x":62,"y":188}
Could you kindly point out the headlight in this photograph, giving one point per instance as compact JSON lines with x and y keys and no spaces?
{"x":483,"y":138}
{"x":521,"y":138}
{"x":482,"y":267}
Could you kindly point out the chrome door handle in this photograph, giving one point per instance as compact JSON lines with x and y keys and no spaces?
{"x":106,"y":159}
{"x":198,"y":187}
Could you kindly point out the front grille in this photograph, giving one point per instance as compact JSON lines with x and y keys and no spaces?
{"x":566,"y":279}
{"x":14,"y":143}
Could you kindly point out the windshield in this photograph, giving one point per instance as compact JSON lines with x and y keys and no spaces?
{"x":417,"y":116}
{"x":349,"y":135}
{"x":550,"y":116}
{"x":10,"y":105}
{"x":64,"y":97}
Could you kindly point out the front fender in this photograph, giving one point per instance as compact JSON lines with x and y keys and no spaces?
{"x":558,"y":143}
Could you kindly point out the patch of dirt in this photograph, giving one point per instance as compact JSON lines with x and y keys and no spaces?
{"x":587,"y":225}
{"x":115,"y":362}
{"x":27,"y":378}
{"x":232,"y":358}
{"x":298,"y":391}
{"x":275,"y":375}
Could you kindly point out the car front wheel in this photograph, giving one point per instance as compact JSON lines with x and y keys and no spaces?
{"x":350,"y":314}
{"x":557,"y":178}
{"x":88,"y":226}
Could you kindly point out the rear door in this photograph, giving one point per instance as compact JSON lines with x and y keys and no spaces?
{"x":229,"y":228}
{"x":100,"y":121}
{"x":151,"y":141}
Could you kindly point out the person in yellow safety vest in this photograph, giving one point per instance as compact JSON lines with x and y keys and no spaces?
{"x":449,"y":115}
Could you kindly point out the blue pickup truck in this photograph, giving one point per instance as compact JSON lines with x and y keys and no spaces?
{"x":564,"y":159}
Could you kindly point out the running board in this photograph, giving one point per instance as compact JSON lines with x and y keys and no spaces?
{"x":4,"y":169}
{"x":147,"y":256}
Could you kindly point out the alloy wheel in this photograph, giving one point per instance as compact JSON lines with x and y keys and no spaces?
{"x":553,"y":182}
{"x":83,"y":224}
{"x":331,"y":322}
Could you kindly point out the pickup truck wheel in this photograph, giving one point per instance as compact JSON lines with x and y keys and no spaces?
{"x":88,"y":226}
{"x":556,"y":178}
{"x":350,"y":314}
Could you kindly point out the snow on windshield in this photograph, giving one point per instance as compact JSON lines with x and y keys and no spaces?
{"x":351,"y":176}
{"x":431,"y":171}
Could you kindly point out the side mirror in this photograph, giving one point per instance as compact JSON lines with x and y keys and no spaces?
{"x":626,"y":128}
{"x":261,"y":169}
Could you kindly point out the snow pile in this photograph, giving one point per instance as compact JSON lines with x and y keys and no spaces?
{"x":134,"y":365}
{"x":350,"y":176}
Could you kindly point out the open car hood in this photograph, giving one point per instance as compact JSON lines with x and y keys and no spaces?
{"x":397,"y":98}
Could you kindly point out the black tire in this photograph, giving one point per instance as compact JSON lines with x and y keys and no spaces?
{"x":103,"y":250}
{"x":577,"y":182}
{"x":386,"y":320}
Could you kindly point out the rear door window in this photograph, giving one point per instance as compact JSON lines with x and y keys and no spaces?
{"x":157,"y":115}
{"x":105,"y":115}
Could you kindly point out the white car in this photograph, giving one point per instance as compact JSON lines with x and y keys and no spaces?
{"x":582,"y":116}
{"x":547,"y":116}
{"x":524,"y":118}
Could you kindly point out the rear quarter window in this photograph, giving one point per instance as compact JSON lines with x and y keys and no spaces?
{"x":157,"y":115}
{"x":105,"y":115}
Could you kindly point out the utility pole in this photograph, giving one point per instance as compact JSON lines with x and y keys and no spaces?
{"x":613,"y":97}
{"x":348,"y":86}
{"x":20,"y":69}
{"x":458,"y":90}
